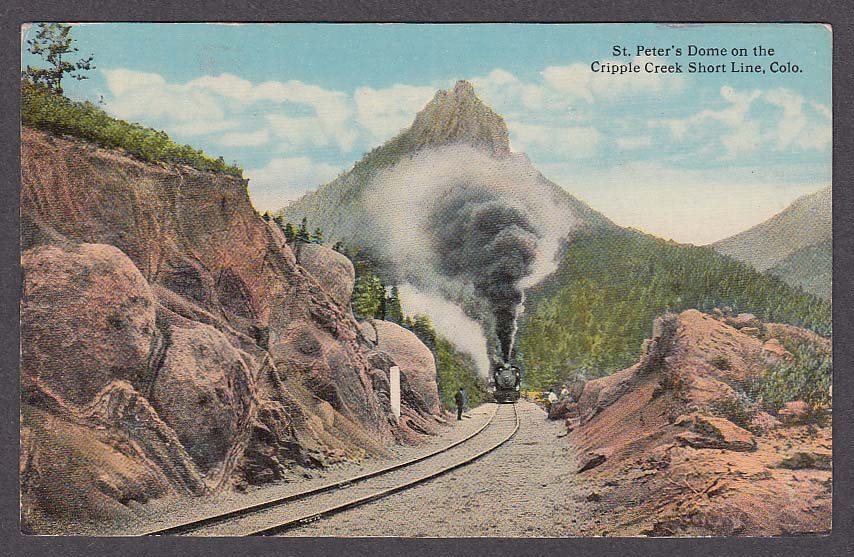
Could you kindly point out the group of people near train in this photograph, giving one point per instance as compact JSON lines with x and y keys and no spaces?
{"x":552,"y":397}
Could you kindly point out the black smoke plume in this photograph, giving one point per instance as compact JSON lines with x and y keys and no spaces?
{"x":482,"y":239}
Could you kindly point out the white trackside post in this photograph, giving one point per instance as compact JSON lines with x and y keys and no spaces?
{"x":394,"y":389}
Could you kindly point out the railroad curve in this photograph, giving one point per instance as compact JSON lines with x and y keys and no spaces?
{"x":281,"y":515}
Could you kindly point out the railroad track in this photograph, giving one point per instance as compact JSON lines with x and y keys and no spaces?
{"x":293,"y":511}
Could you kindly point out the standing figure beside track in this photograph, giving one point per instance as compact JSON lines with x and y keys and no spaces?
{"x":460,"y":400}
{"x":551,"y":400}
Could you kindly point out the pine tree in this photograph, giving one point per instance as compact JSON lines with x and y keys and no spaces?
{"x":368,"y":295}
{"x":381,"y":313}
{"x":394,"y":310}
{"x":290,"y":232}
{"x":422,"y":326}
{"x":317,"y":235}
{"x":52,"y":42}
{"x":302,"y":233}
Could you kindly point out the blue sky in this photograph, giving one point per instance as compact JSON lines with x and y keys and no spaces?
{"x":693,"y":157}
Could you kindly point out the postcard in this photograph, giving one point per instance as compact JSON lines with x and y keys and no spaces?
{"x":426,"y":280}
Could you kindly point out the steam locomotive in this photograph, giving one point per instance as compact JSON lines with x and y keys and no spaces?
{"x":506,"y":379}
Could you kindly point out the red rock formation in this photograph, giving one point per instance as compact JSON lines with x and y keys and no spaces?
{"x":160,"y":292}
{"x":414,"y":359}
{"x":668,"y":435}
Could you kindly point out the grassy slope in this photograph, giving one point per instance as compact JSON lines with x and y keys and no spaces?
{"x":57,"y":114}
{"x":810,"y":268}
{"x":595,"y":311}
{"x":804,"y":223}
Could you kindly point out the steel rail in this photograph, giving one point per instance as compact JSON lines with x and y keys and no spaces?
{"x":190,"y":526}
{"x":313,"y":517}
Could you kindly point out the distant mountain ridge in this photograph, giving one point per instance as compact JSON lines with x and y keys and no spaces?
{"x":811,"y":268}
{"x":795,"y":244}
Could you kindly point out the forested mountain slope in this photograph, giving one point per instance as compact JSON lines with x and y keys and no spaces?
{"x":592,"y":315}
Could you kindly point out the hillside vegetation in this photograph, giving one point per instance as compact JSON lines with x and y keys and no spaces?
{"x":591,"y":316}
{"x":55,"y":113}
{"x":794,"y":245}
{"x":457,"y":369}
{"x":810,"y":268}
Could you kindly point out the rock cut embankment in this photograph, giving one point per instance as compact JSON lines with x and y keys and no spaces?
{"x":172,"y":344}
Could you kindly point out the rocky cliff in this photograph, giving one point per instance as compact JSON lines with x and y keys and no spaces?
{"x":677,"y":435}
{"x":171,"y":342}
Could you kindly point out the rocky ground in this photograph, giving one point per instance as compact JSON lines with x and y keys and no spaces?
{"x":658,"y":449}
{"x":526,"y":488}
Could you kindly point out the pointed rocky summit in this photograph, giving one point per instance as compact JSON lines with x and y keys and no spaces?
{"x":457,"y":116}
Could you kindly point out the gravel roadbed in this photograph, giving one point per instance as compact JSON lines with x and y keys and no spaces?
{"x":170,"y":511}
{"x":525,"y":488}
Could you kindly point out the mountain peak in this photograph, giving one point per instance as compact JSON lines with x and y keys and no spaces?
{"x":463,"y":88}
{"x":458,"y":116}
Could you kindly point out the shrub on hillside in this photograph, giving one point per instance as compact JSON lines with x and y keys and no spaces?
{"x":807,"y":377}
{"x":740,"y":409}
{"x":49,"y":111}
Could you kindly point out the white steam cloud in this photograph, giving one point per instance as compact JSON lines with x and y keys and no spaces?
{"x":402,"y":202}
{"x":450,"y":322}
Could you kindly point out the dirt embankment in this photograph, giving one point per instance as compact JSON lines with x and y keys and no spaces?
{"x":668,"y":447}
{"x":172,"y":343}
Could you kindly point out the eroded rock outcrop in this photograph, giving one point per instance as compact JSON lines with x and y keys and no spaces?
{"x":331,"y":269}
{"x":172,"y":344}
{"x":676,"y":435}
{"x":415,"y":360}
{"x":63,"y":339}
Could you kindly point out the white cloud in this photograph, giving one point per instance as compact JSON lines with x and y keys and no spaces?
{"x":244,"y":139}
{"x":199,"y":105}
{"x":285,"y":179}
{"x":579,"y":81}
{"x":635,"y":142}
{"x":795,"y":127}
{"x":384,"y":112}
{"x":735,"y":133}
{"x":147,"y":96}
{"x":570,"y":142}
{"x":502,"y":90}
{"x":739,"y":132}
{"x":306,"y":131}
{"x":331,"y":121}
{"x":561,"y":88}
